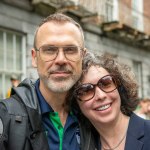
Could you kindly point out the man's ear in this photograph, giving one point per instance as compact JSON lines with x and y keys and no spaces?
{"x":34,"y":57}
{"x":84,"y":51}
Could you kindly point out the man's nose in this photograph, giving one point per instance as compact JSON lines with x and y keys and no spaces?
{"x":61,"y":58}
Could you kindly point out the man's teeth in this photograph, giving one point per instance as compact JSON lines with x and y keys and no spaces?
{"x":103,"y":107}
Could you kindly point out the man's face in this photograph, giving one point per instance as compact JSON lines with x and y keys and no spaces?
{"x":60,"y":74}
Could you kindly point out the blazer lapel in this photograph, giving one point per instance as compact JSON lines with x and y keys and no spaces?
{"x":133,"y":144}
{"x":135,"y":133}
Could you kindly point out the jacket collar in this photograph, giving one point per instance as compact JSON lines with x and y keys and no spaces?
{"x":135,"y":133}
{"x":27,"y":94}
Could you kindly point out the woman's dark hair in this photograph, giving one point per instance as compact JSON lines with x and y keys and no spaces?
{"x":127,"y":85}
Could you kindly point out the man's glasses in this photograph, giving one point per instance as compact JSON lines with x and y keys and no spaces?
{"x":86,"y":91}
{"x":49,"y":53}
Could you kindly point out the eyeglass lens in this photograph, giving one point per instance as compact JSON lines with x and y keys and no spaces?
{"x":87,"y":91}
{"x":48,"y":53}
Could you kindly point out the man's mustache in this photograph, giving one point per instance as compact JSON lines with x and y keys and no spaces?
{"x":60,"y":69}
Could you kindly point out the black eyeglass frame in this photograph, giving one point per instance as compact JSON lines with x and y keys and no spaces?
{"x":94,"y":86}
{"x":80,"y":48}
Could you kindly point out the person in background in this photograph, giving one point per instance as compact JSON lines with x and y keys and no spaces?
{"x":107,"y":96}
{"x":148,"y":109}
{"x":14,"y":83}
{"x":143,"y":108}
{"x":39,"y":116}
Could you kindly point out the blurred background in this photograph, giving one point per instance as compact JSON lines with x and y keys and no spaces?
{"x":118,"y":27}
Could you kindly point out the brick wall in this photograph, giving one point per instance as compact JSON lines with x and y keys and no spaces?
{"x":147,"y":16}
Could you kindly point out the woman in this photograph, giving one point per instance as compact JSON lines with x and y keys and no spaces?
{"x":107,"y":96}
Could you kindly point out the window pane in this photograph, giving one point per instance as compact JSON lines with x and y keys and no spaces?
{"x":148,"y":91}
{"x":9,"y":54}
{"x":1,"y":87}
{"x":134,"y":4}
{"x":109,"y":10}
{"x":1,"y":51}
{"x":137,"y":66}
{"x":18,"y":53}
{"x":12,"y":42}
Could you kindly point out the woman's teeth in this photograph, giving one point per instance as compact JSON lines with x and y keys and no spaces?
{"x":103,"y":107}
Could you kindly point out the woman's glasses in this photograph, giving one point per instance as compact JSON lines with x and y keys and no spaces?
{"x":86,"y":91}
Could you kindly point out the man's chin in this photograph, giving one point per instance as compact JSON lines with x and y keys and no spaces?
{"x":60,"y":87}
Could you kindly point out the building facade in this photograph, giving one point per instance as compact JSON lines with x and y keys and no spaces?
{"x":121,"y":28}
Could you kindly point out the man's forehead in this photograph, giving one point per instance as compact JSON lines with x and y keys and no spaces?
{"x":54,"y":24}
{"x":50,"y":29}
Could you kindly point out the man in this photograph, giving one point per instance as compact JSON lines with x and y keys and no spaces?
{"x":38,"y":116}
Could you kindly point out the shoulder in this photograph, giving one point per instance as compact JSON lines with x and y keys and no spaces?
{"x":11,"y":109}
{"x":141,"y":115}
{"x":12,"y":106}
{"x":13,"y":123}
{"x":147,"y":125}
{"x":139,"y":124}
{"x":134,"y":118}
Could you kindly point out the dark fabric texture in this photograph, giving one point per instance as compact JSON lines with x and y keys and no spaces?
{"x":22,"y":122}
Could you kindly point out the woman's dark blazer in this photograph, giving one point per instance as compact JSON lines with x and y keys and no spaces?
{"x":138,"y":134}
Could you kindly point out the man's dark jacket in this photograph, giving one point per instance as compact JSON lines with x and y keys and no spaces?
{"x":22,"y":122}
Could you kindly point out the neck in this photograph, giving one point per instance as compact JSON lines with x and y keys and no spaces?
{"x":110,"y":128}
{"x":113,"y":134}
{"x":57,"y":101}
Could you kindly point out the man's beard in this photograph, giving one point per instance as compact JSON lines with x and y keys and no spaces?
{"x":62,"y":85}
{"x":59,"y":85}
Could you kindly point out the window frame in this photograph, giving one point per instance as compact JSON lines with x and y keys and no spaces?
{"x":138,"y":70}
{"x":4,"y":71}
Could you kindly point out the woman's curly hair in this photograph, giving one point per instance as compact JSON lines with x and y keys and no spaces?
{"x":127,"y":85}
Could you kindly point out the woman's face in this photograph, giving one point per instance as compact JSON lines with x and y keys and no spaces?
{"x":103,"y":107}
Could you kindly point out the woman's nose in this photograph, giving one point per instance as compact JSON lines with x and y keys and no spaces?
{"x":99,"y":94}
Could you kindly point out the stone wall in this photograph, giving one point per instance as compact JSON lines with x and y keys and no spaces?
{"x":26,"y":21}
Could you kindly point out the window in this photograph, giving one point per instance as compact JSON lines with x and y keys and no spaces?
{"x":137,"y":66}
{"x":137,"y":14}
{"x":12,"y":58}
{"x":148,"y":90}
{"x":109,"y":10}
{"x":134,"y":4}
{"x":135,"y":21}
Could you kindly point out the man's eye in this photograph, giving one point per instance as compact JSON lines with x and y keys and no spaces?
{"x":50,"y":50}
{"x":70,"y":50}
